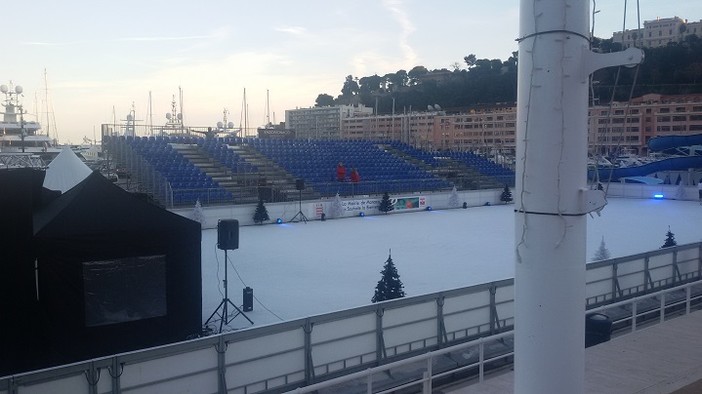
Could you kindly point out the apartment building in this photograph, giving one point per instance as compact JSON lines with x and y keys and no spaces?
{"x":322,"y":123}
{"x":414,"y":128}
{"x":611,"y":128}
{"x":629,"y":127}
{"x":481,"y":129}
{"x":658,"y":33}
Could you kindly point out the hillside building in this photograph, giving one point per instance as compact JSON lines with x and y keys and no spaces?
{"x":658,"y":33}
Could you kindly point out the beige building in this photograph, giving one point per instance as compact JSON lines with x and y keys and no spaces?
{"x":615,"y":128}
{"x":630,"y":127}
{"x":414,"y":128}
{"x":322,"y":123}
{"x":658,"y":33}
{"x":482,"y":129}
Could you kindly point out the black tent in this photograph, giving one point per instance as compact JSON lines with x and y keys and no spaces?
{"x":20,"y":195}
{"x":115,"y":273}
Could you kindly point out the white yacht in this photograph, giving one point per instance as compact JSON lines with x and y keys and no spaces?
{"x":21,"y":141}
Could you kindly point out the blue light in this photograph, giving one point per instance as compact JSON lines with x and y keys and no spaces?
{"x":361,"y":214}
{"x":429,"y":208}
{"x":279,"y":221}
{"x":658,"y":195}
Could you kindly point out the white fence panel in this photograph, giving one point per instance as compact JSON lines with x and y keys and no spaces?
{"x":290,"y":364}
{"x":69,"y":384}
{"x":264,"y":345}
{"x":160,"y":375}
{"x":466,"y":301}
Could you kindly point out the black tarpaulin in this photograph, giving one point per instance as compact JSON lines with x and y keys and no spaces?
{"x":116,"y":273}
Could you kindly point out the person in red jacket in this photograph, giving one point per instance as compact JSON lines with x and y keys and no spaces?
{"x":340,"y":172}
{"x":355,"y":177}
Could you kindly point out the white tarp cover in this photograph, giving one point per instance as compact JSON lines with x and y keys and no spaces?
{"x":65,"y":171}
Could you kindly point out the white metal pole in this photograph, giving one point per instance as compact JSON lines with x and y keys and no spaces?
{"x":552,"y":199}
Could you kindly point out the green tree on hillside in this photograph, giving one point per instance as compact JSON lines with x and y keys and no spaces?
{"x":324,"y":100}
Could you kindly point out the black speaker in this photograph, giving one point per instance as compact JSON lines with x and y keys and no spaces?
{"x":228,"y":234}
{"x":299,"y":184}
{"x":248,"y":299}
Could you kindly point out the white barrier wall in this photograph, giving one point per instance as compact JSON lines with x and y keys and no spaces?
{"x":352,"y":206}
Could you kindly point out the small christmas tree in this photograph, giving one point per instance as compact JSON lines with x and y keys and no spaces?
{"x":669,"y":239}
{"x":453,"y":198}
{"x":261,"y":214}
{"x":198,"y":214}
{"x":337,"y":209}
{"x":602,"y":252}
{"x":385,"y":203}
{"x":506,"y":195}
{"x":680,"y":191}
{"x":389,"y":286}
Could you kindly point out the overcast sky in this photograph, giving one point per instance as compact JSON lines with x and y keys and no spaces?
{"x":101,"y":55}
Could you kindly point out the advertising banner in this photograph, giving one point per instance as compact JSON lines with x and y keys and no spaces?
{"x":371,"y":204}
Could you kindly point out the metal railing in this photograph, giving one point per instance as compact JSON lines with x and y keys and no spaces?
{"x":372,"y":381}
{"x":308,"y":351}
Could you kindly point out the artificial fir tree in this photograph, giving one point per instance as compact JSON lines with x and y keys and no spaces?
{"x":337,"y":210}
{"x":602,"y":253}
{"x":506,"y":195}
{"x":261,"y":214}
{"x":198,"y":214}
{"x":453,"y":199}
{"x":669,"y":239}
{"x":680,"y":191}
{"x":385,"y":203}
{"x":389,"y":286}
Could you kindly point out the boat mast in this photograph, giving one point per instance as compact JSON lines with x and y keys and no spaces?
{"x":182,"y":117}
{"x":151,"y":116}
{"x":268,"y":109}
{"x":552,"y":199}
{"x":46,"y":103}
{"x":246,"y":115}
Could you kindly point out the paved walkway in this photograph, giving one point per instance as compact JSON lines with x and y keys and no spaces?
{"x":664,"y":358}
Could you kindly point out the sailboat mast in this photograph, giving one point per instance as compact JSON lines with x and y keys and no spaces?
{"x":268,"y":108}
{"x":151,"y":116}
{"x":182,"y":117}
{"x":46,"y":103}
{"x":246,"y":115}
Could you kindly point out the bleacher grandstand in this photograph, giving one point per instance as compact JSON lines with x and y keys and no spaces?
{"x":179,"y":170}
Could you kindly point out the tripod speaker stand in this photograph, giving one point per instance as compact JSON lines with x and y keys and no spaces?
{"x":300,"y":186}
{"x":227,"y":239}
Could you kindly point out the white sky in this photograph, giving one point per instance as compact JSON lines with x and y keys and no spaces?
{"x":105,"y":54}
{"x":303,"y":269}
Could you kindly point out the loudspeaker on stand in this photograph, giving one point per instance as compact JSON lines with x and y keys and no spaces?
{"x":228,"y":234}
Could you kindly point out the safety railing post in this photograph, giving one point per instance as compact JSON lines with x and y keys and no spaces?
{"x":634,"y":312}
{"x":481,"y":360}
{"x":369,"y":382}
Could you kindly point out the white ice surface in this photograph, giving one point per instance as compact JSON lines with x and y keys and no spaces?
{"x":303,"y":269}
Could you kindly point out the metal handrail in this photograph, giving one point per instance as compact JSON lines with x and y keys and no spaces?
{"x":427,"y":377}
